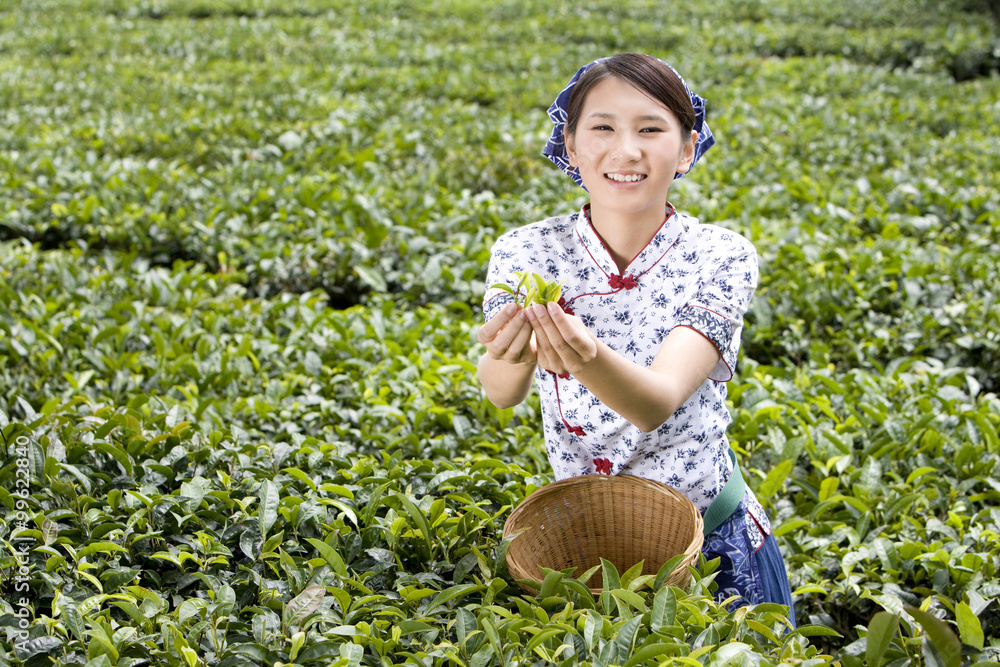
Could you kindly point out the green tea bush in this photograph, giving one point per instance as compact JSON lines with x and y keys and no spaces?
{"x":242,"y":248}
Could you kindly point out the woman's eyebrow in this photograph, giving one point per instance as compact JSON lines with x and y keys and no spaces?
{"x":611,"y":116}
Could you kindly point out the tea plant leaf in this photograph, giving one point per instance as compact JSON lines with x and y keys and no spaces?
{"x":610,"y":575}
{"x":504,"y":287}
{"x":465,"y":624}
{"x":259,"y":653}
{"x":337,"y":489}
{"x":827,"y":488}
{"x":542,"y":636}
{"x":977,"y":603}
{"x":532,"y":288}
{"x":342,"y":598}
{"x":303,"y":604}
{"x":881,"y":631}
{"x":347,"y":511}
{"x":117,"y":454}
{"x":453,"y":593}
{"x":267,"y":510}
{"x":939,"y":635}
{"x":627,"y":635}
{"x":970,"y":629}
{"x":666,"y":570}
{"x":630,"y":598}
{"x":610,"y":581}
{"x":419,"y":519}
{"x":871,"y":475}
{"x":812,"y":630}
{"x":918,"y":473}
{"x":593,"y":628}
{"x":298,"y":640}
{"x":482,"y":657}
{"x":410,"y":627}
{"x":371,"y":277}
{"x":586,"y":576}
{"x":664,"y":609}
{"x":764,"y":631}
{"x":631,"y":574}
{"x":350,"y":655}
{"x":989,"y":433}
{"x":301,"y":476}
{"x":7,"y":498}
{"x":330,"y":555}
{"x":648,"y":652}
{"x":790,"y":525}
{"x":775,"y":479}
{"x":29,"y":411}
{"x":491,"y":634}
{"x":70,"y":615}
{"x":50,"y":531}
{"x":100,"y":548}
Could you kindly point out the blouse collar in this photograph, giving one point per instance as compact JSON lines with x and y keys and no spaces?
{"x":665,"y":238}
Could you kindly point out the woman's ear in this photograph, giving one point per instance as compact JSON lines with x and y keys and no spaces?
{"x":568,"y":139}
{"x":687,"y":154}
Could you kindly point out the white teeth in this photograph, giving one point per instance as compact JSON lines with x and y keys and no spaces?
{"x":625,"y":178}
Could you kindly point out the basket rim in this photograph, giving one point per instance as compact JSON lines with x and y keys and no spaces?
{"x":558,"y":486}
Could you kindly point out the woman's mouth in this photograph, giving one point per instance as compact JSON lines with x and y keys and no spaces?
{"x":625,"y":178}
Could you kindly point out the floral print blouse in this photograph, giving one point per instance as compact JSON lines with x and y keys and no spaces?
{"x":689,"y":274}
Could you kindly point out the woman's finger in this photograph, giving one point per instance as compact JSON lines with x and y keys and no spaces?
{"x":543,"y":348}
{"x":509,"y":342}
{"x":567,"y":336}
{"x":495,"y":324}
{"x":577,"y":337}
{"x":573,"y":331}
{"x":553,"y":347}
{"x":518,"y":348}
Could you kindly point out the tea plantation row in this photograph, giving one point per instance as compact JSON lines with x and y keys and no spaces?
{"x":242,"y":246}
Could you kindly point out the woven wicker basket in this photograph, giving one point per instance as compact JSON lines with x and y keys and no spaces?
{"x":575,"y":522}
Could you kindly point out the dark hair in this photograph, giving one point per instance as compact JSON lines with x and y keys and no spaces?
{"x":646,"y":73}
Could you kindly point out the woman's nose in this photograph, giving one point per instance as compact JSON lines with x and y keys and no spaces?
{"x":626,"y":148}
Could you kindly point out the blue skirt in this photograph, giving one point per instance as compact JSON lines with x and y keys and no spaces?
{"x":750,"y":566}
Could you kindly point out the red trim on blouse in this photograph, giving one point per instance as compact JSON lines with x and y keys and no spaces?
{"x":629,"y":281}
{"x":575,"y":430}
{"x":722,"y":357}
{"x":586,"y":213}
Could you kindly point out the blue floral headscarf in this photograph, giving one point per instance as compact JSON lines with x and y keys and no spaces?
{"x":555,"y":149}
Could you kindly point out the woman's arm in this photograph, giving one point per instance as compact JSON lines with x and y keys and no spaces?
{"x":646,"y":397}
{"x":507,"y":367}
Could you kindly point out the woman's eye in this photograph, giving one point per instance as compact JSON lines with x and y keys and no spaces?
{"x":651,"y":129}
{"x":602,"y":128}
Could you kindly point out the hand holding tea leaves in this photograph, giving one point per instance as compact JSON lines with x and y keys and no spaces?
{"x":507,"y":368}
{"x":536,"y":289}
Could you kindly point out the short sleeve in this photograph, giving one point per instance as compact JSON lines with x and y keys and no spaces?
{"x":717,"y":309}
{"x":501,"y":270}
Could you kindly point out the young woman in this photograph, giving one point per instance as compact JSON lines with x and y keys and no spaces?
{"x":631,"y":364}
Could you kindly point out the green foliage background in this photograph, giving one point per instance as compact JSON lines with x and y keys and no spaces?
{"x":242,"y":246}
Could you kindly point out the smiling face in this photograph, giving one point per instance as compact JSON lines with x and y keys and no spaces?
{"x":628,"y":147}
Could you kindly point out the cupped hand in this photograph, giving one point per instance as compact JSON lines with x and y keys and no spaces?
{"x":508,"y":336}
{"x":564,"y":343}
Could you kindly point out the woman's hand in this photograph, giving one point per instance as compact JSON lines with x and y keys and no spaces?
{"x":564,"y":344}
{"x":508,"y":366}
{"x":508,"y":336}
